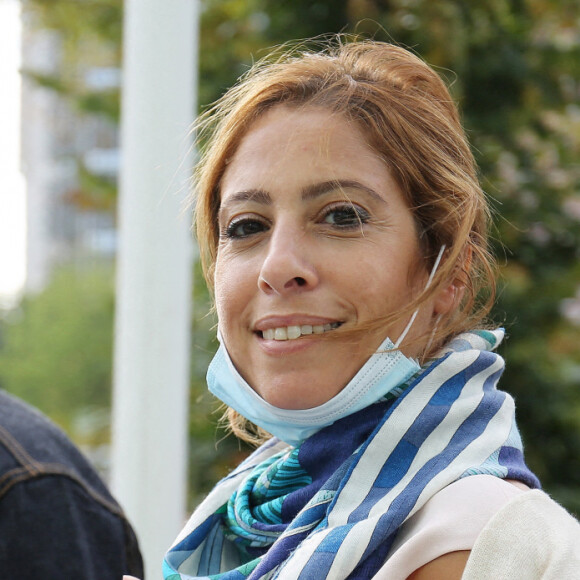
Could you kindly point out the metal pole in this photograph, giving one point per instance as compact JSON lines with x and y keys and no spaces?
{"x":154,"y":269}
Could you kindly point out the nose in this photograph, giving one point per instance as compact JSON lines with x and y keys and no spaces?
{"x":287,"y":266}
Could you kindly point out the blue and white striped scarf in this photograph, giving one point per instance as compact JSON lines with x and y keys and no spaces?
{"x":332,"y":507}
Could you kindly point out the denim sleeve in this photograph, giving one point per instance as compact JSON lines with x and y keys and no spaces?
{"x":52,"y":527}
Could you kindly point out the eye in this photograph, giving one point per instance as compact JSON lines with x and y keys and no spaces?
{"x":346,"y":216}
{"x":244,"y":227}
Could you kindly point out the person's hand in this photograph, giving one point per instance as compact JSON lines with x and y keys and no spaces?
{"x":130,"y":578}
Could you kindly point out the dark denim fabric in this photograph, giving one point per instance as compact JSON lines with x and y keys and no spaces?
{"x":57,"y":519}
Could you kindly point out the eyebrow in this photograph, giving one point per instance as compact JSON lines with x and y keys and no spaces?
{"x":318,"y":189}
{"x":308,"y":193}
{"x":257,"y":195}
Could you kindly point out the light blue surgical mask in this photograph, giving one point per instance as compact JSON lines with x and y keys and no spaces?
{"x":385,"y":370}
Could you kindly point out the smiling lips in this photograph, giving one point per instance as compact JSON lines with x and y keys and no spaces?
{"x":294,"y":332}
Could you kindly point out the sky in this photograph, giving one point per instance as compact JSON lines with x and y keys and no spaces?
{"x":12,"y":191}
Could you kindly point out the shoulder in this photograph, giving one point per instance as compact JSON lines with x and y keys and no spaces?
{"x":449,"y":523}
{"x":532,"y":536}
{"x":25,"y":425}
{"x":33,"y":448}
{"x":47,"y":488}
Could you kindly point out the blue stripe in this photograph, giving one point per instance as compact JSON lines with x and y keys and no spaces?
{"x":317,"y":566}
{"x":344,"y":479}
{"x":212,"y":551}
{"x":395,"y":469}
{"x":390,"y":521}
{"x":198,"y":535}
{"x":404,"y":453}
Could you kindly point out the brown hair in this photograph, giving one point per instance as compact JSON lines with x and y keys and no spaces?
{"x":408,"y":117}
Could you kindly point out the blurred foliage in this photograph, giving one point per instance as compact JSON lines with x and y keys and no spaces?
{"x":514,"y":67}
{"x":94,"y":192}
{"x":56,"y":347}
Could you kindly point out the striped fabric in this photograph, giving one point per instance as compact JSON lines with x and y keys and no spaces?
{"x":356,"y":482}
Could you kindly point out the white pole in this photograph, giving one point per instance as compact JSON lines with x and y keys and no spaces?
{"x":151,"y":369}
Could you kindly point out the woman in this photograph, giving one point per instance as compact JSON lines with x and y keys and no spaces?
{"x":344,"y":234}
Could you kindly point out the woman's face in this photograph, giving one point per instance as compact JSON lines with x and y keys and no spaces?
{"x":315,"y":236}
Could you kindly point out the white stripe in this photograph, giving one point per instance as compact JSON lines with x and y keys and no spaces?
{"x":363,"y":477}
{"x":296,"y":562}
{"x":441,"y":436}
{"x":495,"y":435}
{"x":354,"y":546}
{"x":361,"y":480}
{"x":356,"y":543}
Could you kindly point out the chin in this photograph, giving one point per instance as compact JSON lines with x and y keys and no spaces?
{"x":297,"y":393}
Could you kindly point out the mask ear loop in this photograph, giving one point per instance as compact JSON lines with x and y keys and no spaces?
{"x":433,"y":331}
{"x":429,"y":280}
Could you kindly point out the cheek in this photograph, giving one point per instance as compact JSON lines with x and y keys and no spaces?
{"x":381,"y":290}
{"x":228,"y":313}
{"x":382,"y":277}
{"x":234,"y":287}
{"x":222,"y":284}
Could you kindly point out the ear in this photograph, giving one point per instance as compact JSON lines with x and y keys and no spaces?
{"x":450,"y":296}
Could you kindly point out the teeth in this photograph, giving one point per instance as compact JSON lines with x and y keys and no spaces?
{"x":280,"y":334}
{"x":294,"y":332}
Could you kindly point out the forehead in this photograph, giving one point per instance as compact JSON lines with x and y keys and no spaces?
{"x":291,"y":124}
{"x":308,"y":141}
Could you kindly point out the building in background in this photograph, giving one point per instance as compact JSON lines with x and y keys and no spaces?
{"x":67,"y":154}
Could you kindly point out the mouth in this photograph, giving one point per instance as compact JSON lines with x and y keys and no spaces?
{"x":295,"y":332}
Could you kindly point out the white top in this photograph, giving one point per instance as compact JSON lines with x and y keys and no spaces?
{"x":451,"y":520}
{"x":530,"y":538}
